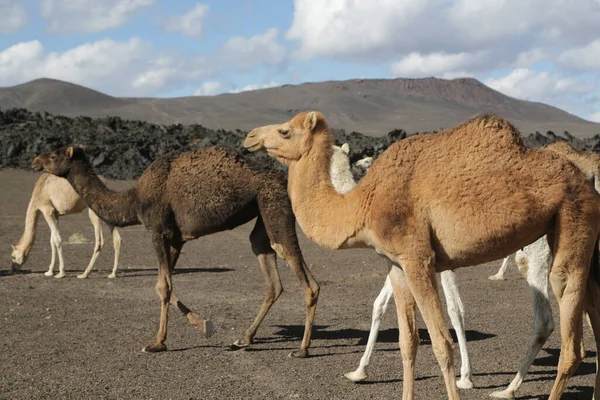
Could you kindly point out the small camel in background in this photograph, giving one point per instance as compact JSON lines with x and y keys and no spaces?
{"x":54,"y":197}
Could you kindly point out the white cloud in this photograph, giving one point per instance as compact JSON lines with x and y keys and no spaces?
{"x":530,"y":57}
{"x":209,"y":88}
{"x":417,"y":65}
{"x":191,"y":23}
{"x":86,"y":16}
{"x":595,"y":116}
{"x":120,"y":68}
{"x":256,"y":86}
{"x":14,"y":16}
{"x":244,"y":53}
{"x":378,"y":30}
{"x":586,"y":58}
{"x":527,"y":84}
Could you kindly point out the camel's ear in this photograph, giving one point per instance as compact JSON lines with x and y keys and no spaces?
{"x":70,"y":151}
{"x":312,"y":120}
{"x":13,"y":247}
{"x":346,"y":148}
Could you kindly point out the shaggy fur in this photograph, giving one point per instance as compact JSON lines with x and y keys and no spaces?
{"x":427,"y":204}
{"x":181,"y":197}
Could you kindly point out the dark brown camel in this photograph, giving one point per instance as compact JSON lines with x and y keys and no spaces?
{"x":181,"y":197}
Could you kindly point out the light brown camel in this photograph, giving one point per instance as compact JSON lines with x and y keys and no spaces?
{"x":587,"y":161}
{"x":181,"y":197}
{"x":427,"y":204}
{"x":54,"y":197}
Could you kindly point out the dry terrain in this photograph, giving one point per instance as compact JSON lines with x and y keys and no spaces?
{"x":74,"y":339}
{"x":370,"y":106}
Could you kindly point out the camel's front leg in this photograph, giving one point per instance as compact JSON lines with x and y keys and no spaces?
{"x":420,"y":276}
{"x":204,"y":325}
{"x":55,"y":242}
{"x":535,"y":260}
{"x":379,"y":307}
{"x":408,"y":334}
{"x":164,"y":288}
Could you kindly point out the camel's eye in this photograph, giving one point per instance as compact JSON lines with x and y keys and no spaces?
{"x":284,"y":133}
{"x":52,"y":157}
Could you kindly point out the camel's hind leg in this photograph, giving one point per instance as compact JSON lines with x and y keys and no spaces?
{"x":456,"y":311}
{"x":421,"y":277}
{"x":575,"y":241}
{"x":534,"y":261}
{"x":379,"y":306}
{"x":98,"y":243}
{"x":267,"y":261}
{"x":592,"y":309}
{"x":116,"y":235}
{"x":501,"y":274}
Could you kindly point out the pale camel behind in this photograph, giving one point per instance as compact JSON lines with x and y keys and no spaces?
{"x":343,"y":181}
{"x":54,"y":197}
{"x":428,"y":205}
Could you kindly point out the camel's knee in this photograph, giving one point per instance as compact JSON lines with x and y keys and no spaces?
{"x":571,"y":361}
{"x":522,"y":262}
{"x":273,"y":293}
{"x":56,"y":240}
{"x":163,"y":289}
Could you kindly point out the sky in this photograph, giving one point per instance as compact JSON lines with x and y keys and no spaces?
{"x":539,"y":50}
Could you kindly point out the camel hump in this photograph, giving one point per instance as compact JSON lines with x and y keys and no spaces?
{"x":491,"y":128}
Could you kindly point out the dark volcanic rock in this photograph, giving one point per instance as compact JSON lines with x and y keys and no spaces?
{"x":122,"y":149}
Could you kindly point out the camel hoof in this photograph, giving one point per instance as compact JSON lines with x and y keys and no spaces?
{"x":497,"y":278}
{"x":299,"y":354}
{"x":239,"y":344}
{"x":464,"y":384}
{"x":61,"y":275}
{"x":204,"y":325}
{"x":209,"y":328}
{"x":155,"y":348}
{"x":82,"y":276}
{"x":503,"y":394}
{"x":48,"y":273}
{"x":356,"y":376}
{"x":112,"y":276}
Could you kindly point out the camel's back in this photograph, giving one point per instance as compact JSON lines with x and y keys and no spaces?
{"x":478,"y":176}
{"x":207,"y":188}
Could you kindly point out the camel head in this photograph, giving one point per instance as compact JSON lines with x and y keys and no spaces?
{"x":58,"y":162}
{"x":364,"y":163}
{"x":289,"y":141}
{"x":18,"y":257}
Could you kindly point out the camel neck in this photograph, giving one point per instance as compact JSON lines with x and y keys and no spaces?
{"x":326,"y":217}
{"x":31,"y":221}
{"x":115,"y":208}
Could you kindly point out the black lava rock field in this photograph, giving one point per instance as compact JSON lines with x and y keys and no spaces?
{"x":122,"y":149}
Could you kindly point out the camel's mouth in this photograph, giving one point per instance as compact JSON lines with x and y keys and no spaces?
{"x":37,"y":165}
{"x":15,"y":267}
{"x":252,"y":146}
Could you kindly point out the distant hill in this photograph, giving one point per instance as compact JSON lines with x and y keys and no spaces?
{"x":370,"y":106}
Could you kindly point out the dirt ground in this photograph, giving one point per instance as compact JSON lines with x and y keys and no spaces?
{"x":73,"y":338}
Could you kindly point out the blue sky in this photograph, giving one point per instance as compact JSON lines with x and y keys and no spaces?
{"x":534,"y":50}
